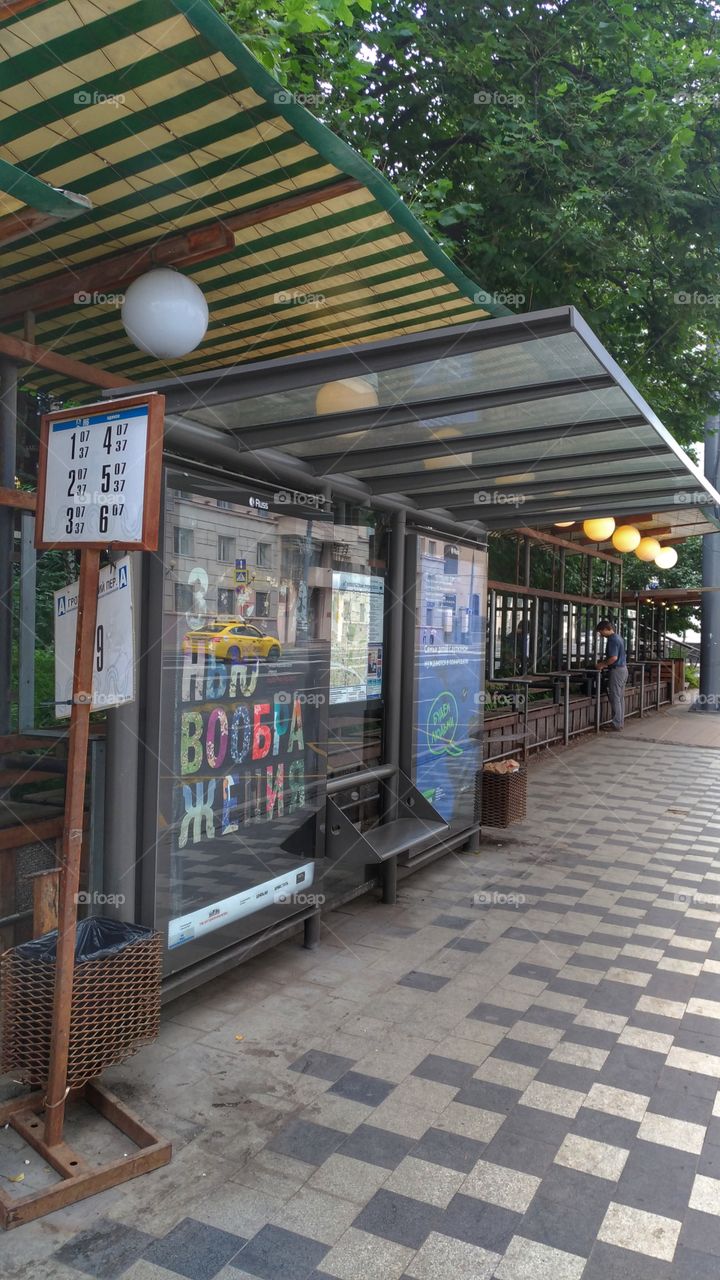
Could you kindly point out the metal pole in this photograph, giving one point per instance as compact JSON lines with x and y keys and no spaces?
{"x":393,"y":701}
{"x":8,"y":451}
{"x":26,"y":642}
{"x":709,"y":697}
{"x":72,"y":846}
{"x":642,"y":690}
{"x":566,"y":710}
{"x":121,"y":783}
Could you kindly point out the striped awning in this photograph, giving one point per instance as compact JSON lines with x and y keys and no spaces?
{"x":192,"y":155}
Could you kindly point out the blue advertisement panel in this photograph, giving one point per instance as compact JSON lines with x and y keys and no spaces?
{"x":449,"y":676}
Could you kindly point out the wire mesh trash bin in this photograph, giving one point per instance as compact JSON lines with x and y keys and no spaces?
{"x":500,"y":798}
{"x":115,"y":1000}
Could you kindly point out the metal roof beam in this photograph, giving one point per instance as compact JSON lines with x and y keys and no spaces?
{"x":418,"y":481}
{"x":316,"y":427}
{"x":382,"y":455}
{"x":548,"y":512}
{"x":606,"y":485}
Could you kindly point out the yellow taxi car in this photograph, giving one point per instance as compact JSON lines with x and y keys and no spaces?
{"x":233,"y":642}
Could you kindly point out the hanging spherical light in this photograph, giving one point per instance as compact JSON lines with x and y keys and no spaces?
{"x":647,"y":549}
{"x":564,"y":524}
{"x":626,"y":537}
{"x":344,"y":395}
{"x":599,"y":530}
{"x":165,"y":314}
{"x":666,"y":558}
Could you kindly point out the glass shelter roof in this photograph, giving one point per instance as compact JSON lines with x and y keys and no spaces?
{"x":509,"y":421}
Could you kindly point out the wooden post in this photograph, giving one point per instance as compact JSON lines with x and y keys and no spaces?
{"x":45,"y":900}
{"x":72,"y":843}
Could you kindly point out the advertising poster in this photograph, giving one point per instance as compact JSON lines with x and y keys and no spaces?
{"x":449,"y":679}
{"x":114,"y":658}
{"x":357,"y":637}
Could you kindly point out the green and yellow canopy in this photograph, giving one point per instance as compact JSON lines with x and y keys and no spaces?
{"x":155,"y":112}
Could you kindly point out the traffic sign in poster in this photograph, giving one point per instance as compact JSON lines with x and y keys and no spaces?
{"x":113,"y":680}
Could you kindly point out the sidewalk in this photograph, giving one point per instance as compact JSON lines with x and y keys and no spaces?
{"x":521,"y":1084}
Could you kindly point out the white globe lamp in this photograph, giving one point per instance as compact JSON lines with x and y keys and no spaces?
{"x":626,"y":538}
{"x":647,"y":549}
{"x":345,"y":395}
{"x":666,"y":558}
{"x":599,"y":530}
{"x":165,"y":314}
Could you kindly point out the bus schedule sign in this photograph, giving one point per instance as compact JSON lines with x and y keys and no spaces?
{"x":99,"y":475}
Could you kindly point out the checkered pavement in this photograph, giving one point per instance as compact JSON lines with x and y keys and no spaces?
{"x":512,"y":1074}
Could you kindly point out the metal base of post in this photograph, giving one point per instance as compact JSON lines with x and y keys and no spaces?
{"x":78,"y":1179}
{"x":389,"y":882}
{"x":311,"y":932}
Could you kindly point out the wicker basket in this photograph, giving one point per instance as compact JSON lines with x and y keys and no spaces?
{"x":115,"y":1009}
{"x":501,"y":798}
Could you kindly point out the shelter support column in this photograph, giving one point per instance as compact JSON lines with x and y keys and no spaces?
{"x":709,"y":698}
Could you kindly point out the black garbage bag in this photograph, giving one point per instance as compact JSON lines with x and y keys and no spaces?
{"x":96,"y":937}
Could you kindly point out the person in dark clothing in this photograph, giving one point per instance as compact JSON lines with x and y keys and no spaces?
{"x":615,"y":663}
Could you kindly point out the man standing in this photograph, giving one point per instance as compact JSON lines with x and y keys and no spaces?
{"x":615,"y":663}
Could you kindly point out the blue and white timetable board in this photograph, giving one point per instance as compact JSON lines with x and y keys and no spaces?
{"x":99,"y":475}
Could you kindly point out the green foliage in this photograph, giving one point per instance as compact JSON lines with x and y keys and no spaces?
{"x":561,"y":152}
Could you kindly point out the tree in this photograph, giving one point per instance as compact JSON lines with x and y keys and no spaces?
{"x":563,"y":152}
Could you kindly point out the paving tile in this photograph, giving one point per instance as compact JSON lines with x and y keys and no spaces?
{"x":635,"y":1229}
{"x":451,"y":1150}
{"x":303,"y":1140}
{"x":444,"y":1070}
{"x":316,"y":1214}
{"x":547,"y":1097}
{"x":530,"y":1260}
{"x":421,"y":1180}
{"x":588,"y":1156}
{"x":104,"y":1250}
{"x":376,"y":1146}
{"x":470,"y":1121}
{"x":688,"y":1264}
{"x":441,"y":1257}
{"x":491,"y":1097}
{"x":477,"y":1222}
{"x":512,"y":1074}
{"x":569,"y":1226}
{"x":452,"y":922}
{"x":400,"y":1218}
{"x":597,"y":1126}
{"x":474,"y":945}
{"x":607,"y":1262}
{"x":502,"y":1186}
{"x":496,"y":1015}
{"x":579,"y":1055}
{"x":195,"y":1250}
{"x":617,"y":1102}
{"x":705,"y":1195}
{"x":423,"y":981}
{"x":276,"y":1254}
{"x":326,"y":1066}
{"x":361,"y":1256}
{"x":357,"y":1087}
{"x":518,"y":1151}
{"x":672,"y":1133}
{"x":351,"y":1179}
